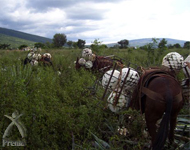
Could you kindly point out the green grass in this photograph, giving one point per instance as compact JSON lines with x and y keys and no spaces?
{"x":14,"y":42}
{"x":59,"y":111}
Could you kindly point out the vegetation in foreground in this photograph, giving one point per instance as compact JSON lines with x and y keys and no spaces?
{"x":60,"y":111}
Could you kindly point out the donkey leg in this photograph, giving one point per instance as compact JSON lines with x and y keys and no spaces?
{"x":152,"y":130}
{"x":153,"y":112}
{"x":151,"y":120}
{"x":173,"y":120}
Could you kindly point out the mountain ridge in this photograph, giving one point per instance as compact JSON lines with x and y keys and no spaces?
{"x":144,"y":41}
{"x":8,"y":33}
{"x":23,"y":35}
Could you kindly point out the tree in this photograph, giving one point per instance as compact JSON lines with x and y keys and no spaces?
{"x":170,"y":46}
{"x":177,"y":45}
{"x":4,"y":46}
{"x":124,"y":43}
{"x":81,"y":43}
{"x":39,"y":45}
{"x":23,"y":46}
{"x":48,"y":45}
{"x":70,"y":44}
{"x":162,"y":44}
{"x":96,"y":42}
{"x":150,"y":48}
{"x":187,"y":44}
{"x":75,"y":45}
{"x":97,"y":45}
{"x":59,"y":40}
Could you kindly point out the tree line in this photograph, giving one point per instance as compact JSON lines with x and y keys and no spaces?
{"x":155,"y":44}
{"x":60,"y":40}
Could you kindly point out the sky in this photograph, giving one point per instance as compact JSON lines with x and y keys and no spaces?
{"x":109,"y":21}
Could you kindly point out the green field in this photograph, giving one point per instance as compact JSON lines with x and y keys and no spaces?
{"x":14,"y":42}
{"x":60,"y":111}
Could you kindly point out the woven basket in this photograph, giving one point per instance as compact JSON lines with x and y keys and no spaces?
{"x":173,"y":61}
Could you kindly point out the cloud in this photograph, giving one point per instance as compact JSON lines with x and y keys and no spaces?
{"x":44,"y":5}
{"x":107,"y":20}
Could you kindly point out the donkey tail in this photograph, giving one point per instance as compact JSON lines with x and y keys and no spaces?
{"x":164,"y":125}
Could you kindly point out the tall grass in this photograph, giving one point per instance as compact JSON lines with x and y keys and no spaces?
{"x":59,"y":111}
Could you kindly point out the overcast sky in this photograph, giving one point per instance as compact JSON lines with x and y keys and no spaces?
{"x":107,"y":20}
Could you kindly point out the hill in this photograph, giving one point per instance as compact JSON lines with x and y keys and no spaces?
{"x":25,"y":36}
{"x":14,"y":42}
{"x":144,"y":41}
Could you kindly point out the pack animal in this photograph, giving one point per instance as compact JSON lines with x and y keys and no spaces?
{"x":159,"y":96}
{"x":100,"y":63}
{"x":34,"y":59}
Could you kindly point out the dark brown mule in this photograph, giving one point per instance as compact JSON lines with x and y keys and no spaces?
{"x":159,"y":96}
{"x":101,"y":63}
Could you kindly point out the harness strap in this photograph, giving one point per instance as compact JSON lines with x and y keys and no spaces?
{"x":155,"y":96}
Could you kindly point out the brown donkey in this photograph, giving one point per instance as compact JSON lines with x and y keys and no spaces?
{"x":159,"y":96}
